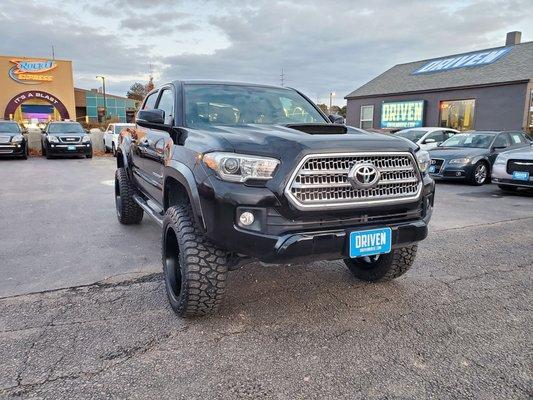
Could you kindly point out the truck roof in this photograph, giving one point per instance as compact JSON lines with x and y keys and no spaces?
{"x":218,"y":82}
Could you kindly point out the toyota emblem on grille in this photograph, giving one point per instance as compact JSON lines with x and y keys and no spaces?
{"x":364,"y":176}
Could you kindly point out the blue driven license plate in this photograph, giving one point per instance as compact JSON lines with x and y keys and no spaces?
{"x":371,"y":242}
{"x":521,"y":175}
{"x":71,"y":148}
{"x":431,"y":169}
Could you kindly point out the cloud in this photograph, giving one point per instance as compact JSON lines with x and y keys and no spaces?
{"x":321,"y":46}
{"x":324,"y":48}
{"x":150,"y":21}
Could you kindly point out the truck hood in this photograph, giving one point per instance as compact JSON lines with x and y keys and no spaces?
{"x":278,"y":139}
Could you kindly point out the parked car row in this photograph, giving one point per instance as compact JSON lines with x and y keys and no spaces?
{"x":58,"y":138}
{"x":477,"y":156}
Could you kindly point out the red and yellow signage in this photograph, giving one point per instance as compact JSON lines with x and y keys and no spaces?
{"x":30,"y":71}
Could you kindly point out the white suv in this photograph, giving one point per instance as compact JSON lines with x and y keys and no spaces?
{"x":111,"y":136}
{"x":427,"y":138}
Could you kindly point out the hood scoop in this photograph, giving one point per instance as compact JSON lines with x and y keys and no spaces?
{"x":319,"y":129}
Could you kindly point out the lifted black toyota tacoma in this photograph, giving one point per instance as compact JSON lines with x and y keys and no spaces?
{"x":236,"y":173}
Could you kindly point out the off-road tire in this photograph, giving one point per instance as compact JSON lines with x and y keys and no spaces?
{"x":508,"y":188}
{"x":114,"y":150}
{"x":90,"y":155}
{"x":195,"y":270}
{"x":106,"y":149}
{"x":385,"y":267}
{"x":128,"y":211}
{"x":26,"y":152}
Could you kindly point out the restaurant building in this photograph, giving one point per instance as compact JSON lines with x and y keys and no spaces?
{"x":489,"y":89}
{"x":38,"y":90}
{"x":34,"y":90}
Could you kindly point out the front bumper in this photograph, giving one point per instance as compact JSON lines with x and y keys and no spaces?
{"x":453,"y":171}
{"x":66,"y":149}
{"x":500,"y":176}
{"x":12,"y":150}
{"x":278,"y":236}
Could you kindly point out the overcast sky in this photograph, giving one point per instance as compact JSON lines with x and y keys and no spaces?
{"x":322,"y":45}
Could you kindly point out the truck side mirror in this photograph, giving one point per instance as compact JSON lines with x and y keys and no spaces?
{"x":151,"y":117}
{"x":428,"y":141}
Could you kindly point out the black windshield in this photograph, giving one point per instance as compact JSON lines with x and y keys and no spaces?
{"x":476,"y":140}
{"x":234,"y":105}
{"x":9,"y":127}
{"x":68,"y":127}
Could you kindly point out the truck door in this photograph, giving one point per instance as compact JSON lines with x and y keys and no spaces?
{"x":139,"y":146}
{"x":159,"y":143}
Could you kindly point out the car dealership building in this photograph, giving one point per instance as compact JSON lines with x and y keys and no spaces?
{"x":488,"y":89}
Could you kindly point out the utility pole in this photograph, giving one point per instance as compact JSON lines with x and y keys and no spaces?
{"x":282,"y":77}
{"x":105,"y":100}
{"x":331,"y":96}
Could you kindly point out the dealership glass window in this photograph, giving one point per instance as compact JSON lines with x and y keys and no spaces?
{"x":367,"y":117}
{"x":457,"y":114}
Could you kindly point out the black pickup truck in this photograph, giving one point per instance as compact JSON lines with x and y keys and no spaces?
{"x":236,"y":173}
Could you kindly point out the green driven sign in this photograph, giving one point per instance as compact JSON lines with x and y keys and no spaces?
{"x":402,"y":114}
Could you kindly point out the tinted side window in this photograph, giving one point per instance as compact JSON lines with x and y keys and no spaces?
{"x":517,"y":138}
{"x":149,"y":103}
{"x":438,"y":136}
{"x":502,"y":140}
{"x":166,"y":103}
{"x":448,"y":134}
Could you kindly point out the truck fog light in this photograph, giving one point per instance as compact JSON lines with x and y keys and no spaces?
{"x":246,"y":218}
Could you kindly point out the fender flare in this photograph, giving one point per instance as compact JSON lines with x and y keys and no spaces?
{"x":183,"y":174}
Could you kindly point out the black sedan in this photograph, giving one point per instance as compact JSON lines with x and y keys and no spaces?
{"x":469,"y":156}
{"x":13,"y":143}
{"x":66,"y":138}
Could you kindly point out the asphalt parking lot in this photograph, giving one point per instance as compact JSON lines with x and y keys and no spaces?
{"x":83,"y":312}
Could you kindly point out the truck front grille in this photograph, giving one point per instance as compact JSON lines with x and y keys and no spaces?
{"x":5,"y":139}
{"x":70,"y":139}
{"x":322,"y":180}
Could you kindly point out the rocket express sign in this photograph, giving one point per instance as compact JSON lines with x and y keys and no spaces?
{"x":402,"y":114}
{"x":466,"y":60}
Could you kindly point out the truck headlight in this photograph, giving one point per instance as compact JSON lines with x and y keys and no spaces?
{"x":17,"y":139}
{"x":423,"y":159}
{"x":235,"y":167}
{"x":86,"y":139}
{"x":52,"y":139}
{"x":461,"y":161}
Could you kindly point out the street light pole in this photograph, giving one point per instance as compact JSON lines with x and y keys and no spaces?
{"x":105,"y":100}
{"x":331,"y":95}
